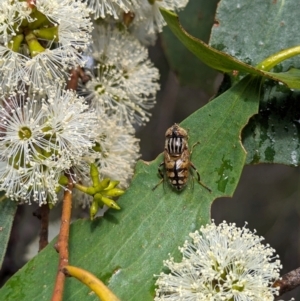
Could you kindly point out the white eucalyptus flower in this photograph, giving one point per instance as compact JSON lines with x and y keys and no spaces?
{"x":28,"y":171}
{"x":116,"y":150}
{"x":21,"y":136}
{"x":140,"y":30}
{"x":221,"y":263}
{"x":104,"y":8}
{"x":12,"y":15}
{"x":115,"y":154}
{"x":106,"y":91}
{"x":70,"y":126}
{"x":45,"y":70}
{"x":38,"y":183}
{"x":40,"y":41}
{"x":119,"y":150}
{"x":12,"y":68}
{"x":121,"y":59}
{"x":149,"y":16}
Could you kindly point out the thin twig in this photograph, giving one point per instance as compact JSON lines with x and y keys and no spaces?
{"x":83,"y":75}
{"x":62,"y":244}
{"x":128,"y":18}
{"x":288,"y":281}
{"x":73,"y":80}
{"x":42,"y":213}
{"x":75,"y":74}
{"x":31,"y":3}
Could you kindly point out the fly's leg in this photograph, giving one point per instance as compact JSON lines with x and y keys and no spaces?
{"x":161,"y":175}
{"x":193,"y":166}
{"x":193,"y":147}
{"x":198,"y":178}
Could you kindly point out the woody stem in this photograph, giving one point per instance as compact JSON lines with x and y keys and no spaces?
{"x":62,"y":244}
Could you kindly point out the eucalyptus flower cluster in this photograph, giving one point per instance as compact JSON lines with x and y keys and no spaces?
{"x":123,"y":82}
{"x":220,"y":263}
{"x":40,"y":138}
{"x":47,"y":131}
{"x":143,"y":17}
{"x":39,"y":44}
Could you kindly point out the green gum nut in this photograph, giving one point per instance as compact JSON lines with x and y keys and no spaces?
{"x":112,"y":185}
{"x":58,"y":189}
{"x":94,"y":173}
{"x":41,"y":20}
{"x":104,"y":200}
{"x":50,"y":33}
{"x":15,"y":43}
{"x":114,"y":192}
{"x":16,"y":160}
{"x":63,"y":180}
{"x":50,"y":205}
{"x":110,"y":203}
{"x":93,"y":209}
{"x":97,"y":148}
{"x":24,"y":23}
{"x":46,"y":154}
{"x":34,"y":46}
{"x":102,"y":185}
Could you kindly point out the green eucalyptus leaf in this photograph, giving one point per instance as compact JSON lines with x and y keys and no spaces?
{"x":209,"y":55}
{"x":8,"y":210}
{"x":220,"y":60}
{"x":273,"y":136}
{"x":292,"y":77}
{"x":253,"y":30}
{"x":126,"y":248}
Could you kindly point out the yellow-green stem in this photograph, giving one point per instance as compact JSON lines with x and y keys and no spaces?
{"x":89,"y":190}
{"x":96,"y":285}
{"x":3,"y":198}
{"x":81,"y":187}
{"x":278,"y":57}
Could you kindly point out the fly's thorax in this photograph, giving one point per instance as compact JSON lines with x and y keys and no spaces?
{"x":175,"y":145}
{"x":176,"y":140}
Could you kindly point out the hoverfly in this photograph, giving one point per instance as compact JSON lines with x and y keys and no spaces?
{"x":177,"y":164}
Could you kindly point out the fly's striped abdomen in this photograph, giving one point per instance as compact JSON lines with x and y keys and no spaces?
{"x":177,"y":173}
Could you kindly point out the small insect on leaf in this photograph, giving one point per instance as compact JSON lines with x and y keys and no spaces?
{"x":177,"y":163}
